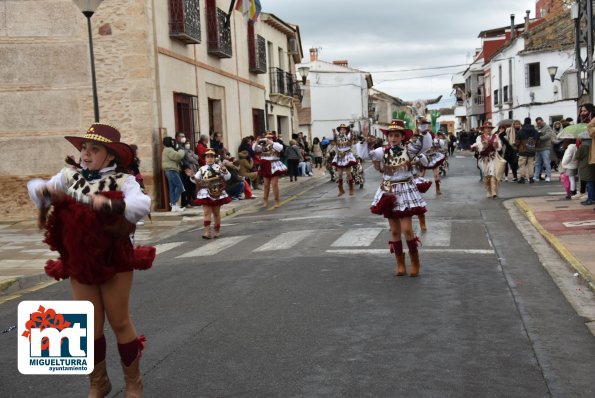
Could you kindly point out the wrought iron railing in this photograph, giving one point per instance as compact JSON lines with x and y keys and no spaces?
{"x":184,"y":20}
{"x":218,"y":33}
{"x":257,"y":53}
{"x":282,"y":82}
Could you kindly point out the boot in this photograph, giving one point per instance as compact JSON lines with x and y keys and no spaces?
{"x":396,"y":247}
{"x":207,"y":231}
{"x":99,"y":383}
{"x":133,"y":379}
{"x":340,"y":185}
{"x":422,"y":222}
{"x":494,"y":187}
{"x":488,"y":186}
{"x":438,"y":192}
{"x":351,"y":183}
{"x":414,"y":256}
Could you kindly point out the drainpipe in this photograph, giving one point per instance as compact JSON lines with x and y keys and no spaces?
{"x":512,"y":29}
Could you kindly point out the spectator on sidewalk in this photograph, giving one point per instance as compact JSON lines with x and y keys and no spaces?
{"x":294,"y":155}
{"x":235,"y":185}
{"x":570,"y":165}
{"x":246,"y":145}
{"x":201,"y":148}
{"x":526,"y":142}
{"x":317,"y":152}
{"x":247,"y":169}
{"x":586,"y":171}
{"x":512,"y":161}
{"x":543,"y":150}
{"x":217,"y":145}
{"x":170,"y":163}
{"x":189,"y":166}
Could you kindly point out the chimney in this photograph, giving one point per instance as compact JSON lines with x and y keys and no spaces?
{"x":512,"y":28}
{"x":528,"y":12}
{"x":313,"y":54}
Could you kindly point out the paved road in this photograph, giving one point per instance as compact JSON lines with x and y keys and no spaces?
{"x":301,"y":301}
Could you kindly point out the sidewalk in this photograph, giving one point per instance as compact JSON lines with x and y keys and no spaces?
{"x":23,"y":254}
{"x":568,"y":226}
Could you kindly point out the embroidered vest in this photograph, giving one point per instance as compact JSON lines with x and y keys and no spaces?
{"x":78,"y":186}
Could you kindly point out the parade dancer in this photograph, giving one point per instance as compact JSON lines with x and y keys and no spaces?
{"x":96,"y":205}
{"x":271,"y":168}
{"x":488,"y":144}
{"x":434,"y":155}
{"x":344,"y":159}
{"x":210,"y":179}
{"x":398,"y":198}
{"x":417,"y":142}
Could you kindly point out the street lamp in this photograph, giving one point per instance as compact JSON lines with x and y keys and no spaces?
{"x":552,"y":70}
{"x":88,"y":8}
{"x":303,"y":71}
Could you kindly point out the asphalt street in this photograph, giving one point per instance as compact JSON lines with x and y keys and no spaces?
{"x":301,"y":301}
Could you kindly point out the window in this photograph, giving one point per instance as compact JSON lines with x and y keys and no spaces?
{"x":496,"y":98}
{"x":505,"y":94}
{"x":257,"y":57}
{"x":184,"y":20}
{"x":532,"y":77}
{"x":218,"y":32}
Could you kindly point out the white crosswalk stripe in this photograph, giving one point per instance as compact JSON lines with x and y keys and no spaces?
{"x":214,"y":247}
{"x":286,"y":240}
{"x":357,"y":237}
{"x":162,"y":248}
{"x":439,"y":233}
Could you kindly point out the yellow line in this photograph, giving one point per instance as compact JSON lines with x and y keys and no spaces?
{"x":291,"y":198}
{"x":557,"y":244}
{"x":39,"y":286}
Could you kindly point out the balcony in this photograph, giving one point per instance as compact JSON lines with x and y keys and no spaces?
{"x":219,"y":35}
{"x":256,"y":51}
{"x":184,"y":21}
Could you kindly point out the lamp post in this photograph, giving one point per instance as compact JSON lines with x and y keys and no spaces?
{"x":88,"y":8}
{"x":552,"y":70}
{"x":303,"y":71}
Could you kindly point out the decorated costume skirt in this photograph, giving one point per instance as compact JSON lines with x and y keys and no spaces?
{"x":434,"y":160}
{"x":204,"y":198}
{"x":422,"y":184}
{"x":403,"y":200}
{"x":91,"y":245}
{"x":271,"y":168}
{"x":344,"y":159}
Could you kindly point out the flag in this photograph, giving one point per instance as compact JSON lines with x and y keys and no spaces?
{"x":255,"y":9}
{"x":243,"y":6}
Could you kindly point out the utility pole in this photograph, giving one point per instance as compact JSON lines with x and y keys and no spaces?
{"x":582,"y":14}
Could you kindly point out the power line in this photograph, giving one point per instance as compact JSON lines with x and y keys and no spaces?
{"x":413,"y":78}
{"x":418,"y":69}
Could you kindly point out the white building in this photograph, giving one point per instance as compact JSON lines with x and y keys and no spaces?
{"x":519,"y":82}
{"x":335,"y":94}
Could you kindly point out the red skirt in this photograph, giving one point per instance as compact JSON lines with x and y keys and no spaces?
{"x":386,"y":204}
{"x":89,"y":251}
{"x":212,"y":202}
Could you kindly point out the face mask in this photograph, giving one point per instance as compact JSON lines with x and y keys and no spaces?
{"x":423,"y":127}
{"x":183,"y":140}
{"x":187,"y":146}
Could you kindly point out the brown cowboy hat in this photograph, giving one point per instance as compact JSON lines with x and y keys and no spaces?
{"x":487,"y":125}
{"x":209,"y":151}
{"x":343,"y":126}
{"x":398,"y":125}
{"x":110,"y":137}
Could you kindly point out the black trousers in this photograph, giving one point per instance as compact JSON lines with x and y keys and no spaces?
{"x":292,"y":167}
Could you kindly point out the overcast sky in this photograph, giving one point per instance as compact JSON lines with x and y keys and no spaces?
{"x":389,"y":35}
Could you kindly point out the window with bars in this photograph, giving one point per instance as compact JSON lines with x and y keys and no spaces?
{"x":496,"y":97}
{"x":184,"y":20}
{"x":218,"y":33}
{"x":257,"y":57}
{"x":532,"y":75}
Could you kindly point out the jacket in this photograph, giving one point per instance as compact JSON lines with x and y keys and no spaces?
{"x":526,"y":133}
{"x":293,"y":152}
{"x":586,"y":171}
{"x":545,"y":138}
{"x":568,"y":160}
{"x":246,"y":164}
{"x":170,"y":158}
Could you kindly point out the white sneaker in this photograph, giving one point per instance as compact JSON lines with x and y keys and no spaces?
{"x":505,"y":178}
{"x":547,"y":179}
{"x":176,"y":209}
{"x":140,"y":222}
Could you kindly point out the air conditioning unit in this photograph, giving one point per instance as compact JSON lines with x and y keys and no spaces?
{"x":293,"y":49}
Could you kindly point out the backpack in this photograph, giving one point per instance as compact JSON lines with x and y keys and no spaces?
{"x":530,"y":145}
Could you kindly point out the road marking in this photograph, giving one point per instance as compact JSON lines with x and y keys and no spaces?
{"x":358,"y":237}
{"x":422,"y":250}
{"x":302,"y":218}
{"x":284,"y":241}
{"x":572,"y":224}
{"x":297,"y":195}
{"x":438,"y":234}
{"x":163,"y":247}
{"x":214,"y":247}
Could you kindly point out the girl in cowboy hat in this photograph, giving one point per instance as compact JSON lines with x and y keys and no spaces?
{"x":344,"y":159}
{"x":488,"y":145}
{"x":398,"y":198}
{"x":271,"y":168}
{"x":434,"y":155}
{"x":96,"y":204}
{"x":212,"y":195}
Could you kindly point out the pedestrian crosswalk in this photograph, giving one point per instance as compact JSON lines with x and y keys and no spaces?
{"x":353,"y":241}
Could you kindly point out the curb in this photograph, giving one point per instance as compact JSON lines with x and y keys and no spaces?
{"x":9,"y":286}
{"x":556,"y":244}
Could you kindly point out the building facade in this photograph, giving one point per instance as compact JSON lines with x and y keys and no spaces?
{"x":162,"y":67}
